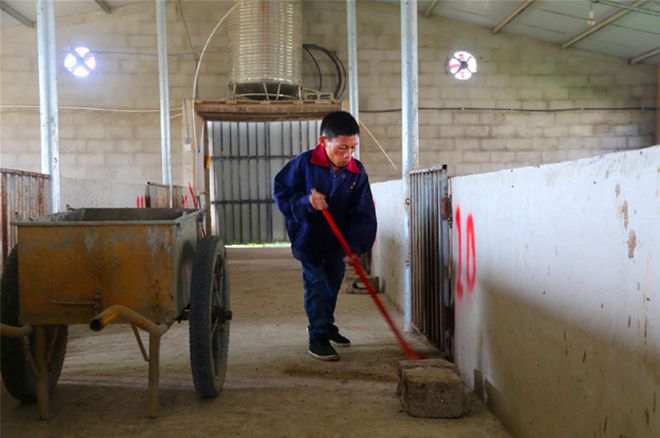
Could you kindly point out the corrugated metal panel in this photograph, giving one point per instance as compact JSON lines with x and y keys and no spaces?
{"x":246,"y":158}
{"x":24,"y":196}
{"x":157,"y":196}
{"x":430,"y":283}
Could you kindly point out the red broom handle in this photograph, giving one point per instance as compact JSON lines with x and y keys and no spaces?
{"x":410,"y":354}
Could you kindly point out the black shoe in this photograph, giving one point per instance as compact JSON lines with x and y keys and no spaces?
{"x":321,"y":349}
{"x":339,"y":340}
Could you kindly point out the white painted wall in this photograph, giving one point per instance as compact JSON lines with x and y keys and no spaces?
{"x":79,"y":193}
{"x":387,"y":253}
{"x":560,"y":329}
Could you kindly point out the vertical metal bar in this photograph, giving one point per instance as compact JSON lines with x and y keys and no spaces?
{"x":163,"y":81}
{"x":249,"y":183}
{"x":42,"y":367}
{"x":269,"y":162}
{"x":154,"y":359}
{"x":231,"y":181}
{"x":351,"y":27}
{"x":409,"y":124}
{"x":48,"y":109}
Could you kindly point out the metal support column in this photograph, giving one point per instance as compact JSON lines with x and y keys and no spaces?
{"x":163,"y":76}
{"x":352,"y":64}
{"x":50,"y":135}
{"x":410,"y":134}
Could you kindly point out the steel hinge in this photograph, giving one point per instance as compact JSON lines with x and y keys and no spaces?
{"x":445,"y":208}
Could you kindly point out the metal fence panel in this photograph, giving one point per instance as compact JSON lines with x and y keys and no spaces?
{"x":24,"y":195}
{"x":246,"y":157}
{"x":430,"y":282}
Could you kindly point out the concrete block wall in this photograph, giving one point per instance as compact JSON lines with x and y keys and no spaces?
{"x":515,"y":72}
{"x":557,"y":292}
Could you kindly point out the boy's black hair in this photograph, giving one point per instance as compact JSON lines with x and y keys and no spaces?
{"x":339,"y":123}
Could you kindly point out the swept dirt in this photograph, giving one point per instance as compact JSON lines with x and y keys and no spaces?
{"x":273,"y":388}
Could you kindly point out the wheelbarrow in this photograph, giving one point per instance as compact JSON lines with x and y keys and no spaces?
{"x":145,"y":267}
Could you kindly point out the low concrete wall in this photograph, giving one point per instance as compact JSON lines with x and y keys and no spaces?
{"x":556,"y":272}
{"x":79,"y":193}
{"x":387,"y":253}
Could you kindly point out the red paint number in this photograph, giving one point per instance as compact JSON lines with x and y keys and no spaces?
{"x":470,"y":254}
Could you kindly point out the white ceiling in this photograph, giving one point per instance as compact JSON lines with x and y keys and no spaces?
{"x":555,"y":21}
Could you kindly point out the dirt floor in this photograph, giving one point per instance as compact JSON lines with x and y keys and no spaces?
{"x":273,"y":388}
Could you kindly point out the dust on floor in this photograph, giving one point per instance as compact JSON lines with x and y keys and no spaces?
{"x":272,"y":389}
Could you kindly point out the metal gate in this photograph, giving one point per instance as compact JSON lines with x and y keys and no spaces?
{"x":430,"y":283}
{"x":246,"y":158}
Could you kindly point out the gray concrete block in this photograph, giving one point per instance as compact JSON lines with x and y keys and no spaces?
{"x":432,"y":393}
{"x":424,"y":363}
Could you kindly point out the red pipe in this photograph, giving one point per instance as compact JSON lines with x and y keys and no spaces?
{"x":410,"y":354}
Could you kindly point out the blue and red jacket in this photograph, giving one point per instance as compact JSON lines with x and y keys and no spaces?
{"x":349,"y":201}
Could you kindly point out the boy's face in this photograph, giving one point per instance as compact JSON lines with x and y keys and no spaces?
{"x":340,"y":148}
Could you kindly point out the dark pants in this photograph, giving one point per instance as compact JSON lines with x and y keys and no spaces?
{"x":321,"y":282}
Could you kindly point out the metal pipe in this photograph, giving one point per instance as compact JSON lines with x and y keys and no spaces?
{"x":409,"y":134}
{"x":163,"y":80}
{"x":509,"y":18}
{"x":430,"y":8}
{"x":582,"y":35}
{"x":15,"y":332}
{"x":50,"y":136}
{"x":13,"y":13}
{"x":646,"y":55}
{"x":104,"y":5}
{"x":154,"y":361}
{"x":122,"y":312}
{"x":42,"y":367}
{"x":354,"y":104}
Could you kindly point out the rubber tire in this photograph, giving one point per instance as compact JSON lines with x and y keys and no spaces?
{"x":17,"y":374}
{"x":209,"y":301}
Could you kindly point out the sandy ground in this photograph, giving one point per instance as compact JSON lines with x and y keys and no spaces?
{"x":273,"y":388}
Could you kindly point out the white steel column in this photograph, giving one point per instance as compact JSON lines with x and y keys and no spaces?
{"x":50,"y":135}
{"x":163,"y":75}
{"x":410,"y":134}
{"x":352,"y":64}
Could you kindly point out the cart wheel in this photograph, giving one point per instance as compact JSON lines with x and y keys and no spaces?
{"x":16,"y":371}
{"x":209,"y":317}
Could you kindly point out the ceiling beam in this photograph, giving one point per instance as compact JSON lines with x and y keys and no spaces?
{"x":646,"y":55}
{"x":104,"y":5}
{"x":582,"y":35}
{"x":430,"y":8}
{"x":512,"y":16}
{"x":13,"y":13}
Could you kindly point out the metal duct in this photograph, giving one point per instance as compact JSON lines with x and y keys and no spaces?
{"x":265,"y":38}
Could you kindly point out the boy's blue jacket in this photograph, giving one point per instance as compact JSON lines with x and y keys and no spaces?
{"x":349,"y":200}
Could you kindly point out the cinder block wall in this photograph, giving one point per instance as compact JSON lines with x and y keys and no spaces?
{"x":515,"y":72}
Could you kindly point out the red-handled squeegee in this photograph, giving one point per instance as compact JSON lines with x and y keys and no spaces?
{"x":410,"y":354}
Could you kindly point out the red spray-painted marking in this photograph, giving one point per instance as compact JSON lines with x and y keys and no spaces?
{"x":470,"y":254}
{"x":459,"y":284}
{"x":192,"y":195}
{"x":470,"y":275}
{"x":410,"y":354}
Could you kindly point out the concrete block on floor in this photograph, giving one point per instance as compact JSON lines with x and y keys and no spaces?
{"x":424,"y":363}
{"x":432,"y":392}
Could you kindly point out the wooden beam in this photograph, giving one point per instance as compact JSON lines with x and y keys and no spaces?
{"x":104,"y":5}
{"x":582,"y":35}
{"x":512,"y":16}
{"x":13,"y":13}
{"x":254,"y":111}
{"x":646,"y":55}
{"x":430,"y":8}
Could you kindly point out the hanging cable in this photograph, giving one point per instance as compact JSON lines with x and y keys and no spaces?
{"x":339,"y":67}
{"x":318,"y":68}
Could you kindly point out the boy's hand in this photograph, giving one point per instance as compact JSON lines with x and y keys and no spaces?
{"x":317,"y":200}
